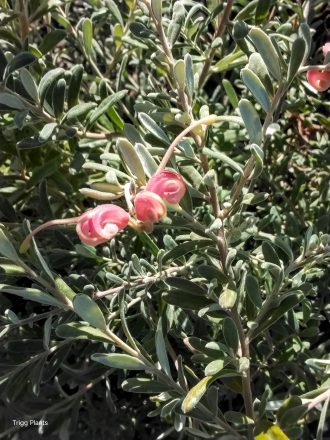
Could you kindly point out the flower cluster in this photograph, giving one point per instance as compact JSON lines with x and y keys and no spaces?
{"x":101,"y":224}
{"x":164,"y":187}
{"x":320,"y":79}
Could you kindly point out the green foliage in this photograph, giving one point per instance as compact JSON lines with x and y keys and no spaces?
{"x":213,"y":323}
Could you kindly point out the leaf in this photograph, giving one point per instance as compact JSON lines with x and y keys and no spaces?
{"x":87,"y":29}
{"x":117,"y":360}
{"x":214,"y":367}
{"x":79,"y":110}
{"x":148,"y":162}
{"x":273,"y":433}
{"x":290,"y":412}
{"x":232,"y":96}
{"x":63,"y":288}
{"x":256,"y":87}
{"x":176,"y":23}
{"x":195,"y":394}
{"x":251,"y":120}
{"x":105,"y":105}
{"x":189,"y":301}
{"x":322,"y":421}
{"x":3,"y":64}
{"x":51,"y":40}
{"x":21,"y":60}
{"x":180,"y":73}
{"x":7,"y":249}
{"x":270,"y":254}
{"x":59,"y":97}
{"x":74,"y":85}
{"x":29,"y":84}
{"x":230,"y":334}
{"x":48,"y":80}
{"x":131,"y":159}
{"x":227,"y":299}
{"x":143,"y":385}
{"x":161,"y":349}
{"x":297,"y":56}
{"x":267,"y":51}
{"x":257,"y":65}
{"x":115,"y":11}
{"x":46,"y":133}
{"x":253,"y":291}
{"x":224,"y":158}
{"x":156,"y":6}
{"x":89,"y":311}
{"x":262,"y":10}
{"x":150,"y":125}
{"x":305,"y":33}
{"x":11,"y":101}
{"x":78,"y":330}
{"x":185,"y":248}
{"x":140,"y":30}
{"x":31,"y":294}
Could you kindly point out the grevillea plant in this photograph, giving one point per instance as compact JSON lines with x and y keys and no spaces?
{"x":187,"y":143}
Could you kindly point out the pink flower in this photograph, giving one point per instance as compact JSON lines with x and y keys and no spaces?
{"x":101,"y":224}
{"x":320,"y":80}
{"x":326,"y":49}
{"x":169,"y":185}
{"x":149,"y":207}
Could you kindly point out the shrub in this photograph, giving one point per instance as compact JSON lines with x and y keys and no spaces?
{"x":189,"y":149}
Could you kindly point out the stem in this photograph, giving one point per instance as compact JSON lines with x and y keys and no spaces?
{"x":324,"y":396}
{"x":246,"y":378}
{"x":219,"y":32}
{"x":172,"y":271}
{"x":63,"y":221}
{"x":209,"y":120}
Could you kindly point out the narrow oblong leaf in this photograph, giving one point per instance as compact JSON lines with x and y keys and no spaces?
{"x":80,"y":110}
{"x":232,"y":96}
{"x":257,"y":65}
{"x":78,"y":330}
{"x":153,"y":128}
{"x":262,"y":10}
{"x":89,"y":311}
{"x":143,"y":385}
{"x":297,"y":56}
{"x":256,"y":87}
{"x":58,"y":98}
{"x":21,"y":60}
{"x":156,"y":6}
{"x":31,"y":294}
{"x":74,"y":85}
{"x":87,"y":29}
{"x":131,"y":159}
{"x":105,"y":105}
{"x":230,"y":334}
{"x":29,"y":84}
{"x":161,"y":349}
{"x":180,"y":73}
{"x":7,"y":249}
{"x":11,"y":101}
{"x":48,"y":80}
{"x":195,"y":394}
{"x":117,"y":360}
{"x":251,"y":120}
{"x":148,"y":162}
{"x":267,"y":51}
{"x":189,"y":71}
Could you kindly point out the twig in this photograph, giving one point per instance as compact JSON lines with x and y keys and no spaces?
{"x":219,"y":32}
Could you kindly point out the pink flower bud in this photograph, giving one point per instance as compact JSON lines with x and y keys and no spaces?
{"x":320,"y":80}
{"x":169,"y":185}
{"x":326,"y":49}
{"x":101,"y":224}
{"x":149,"y":207}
